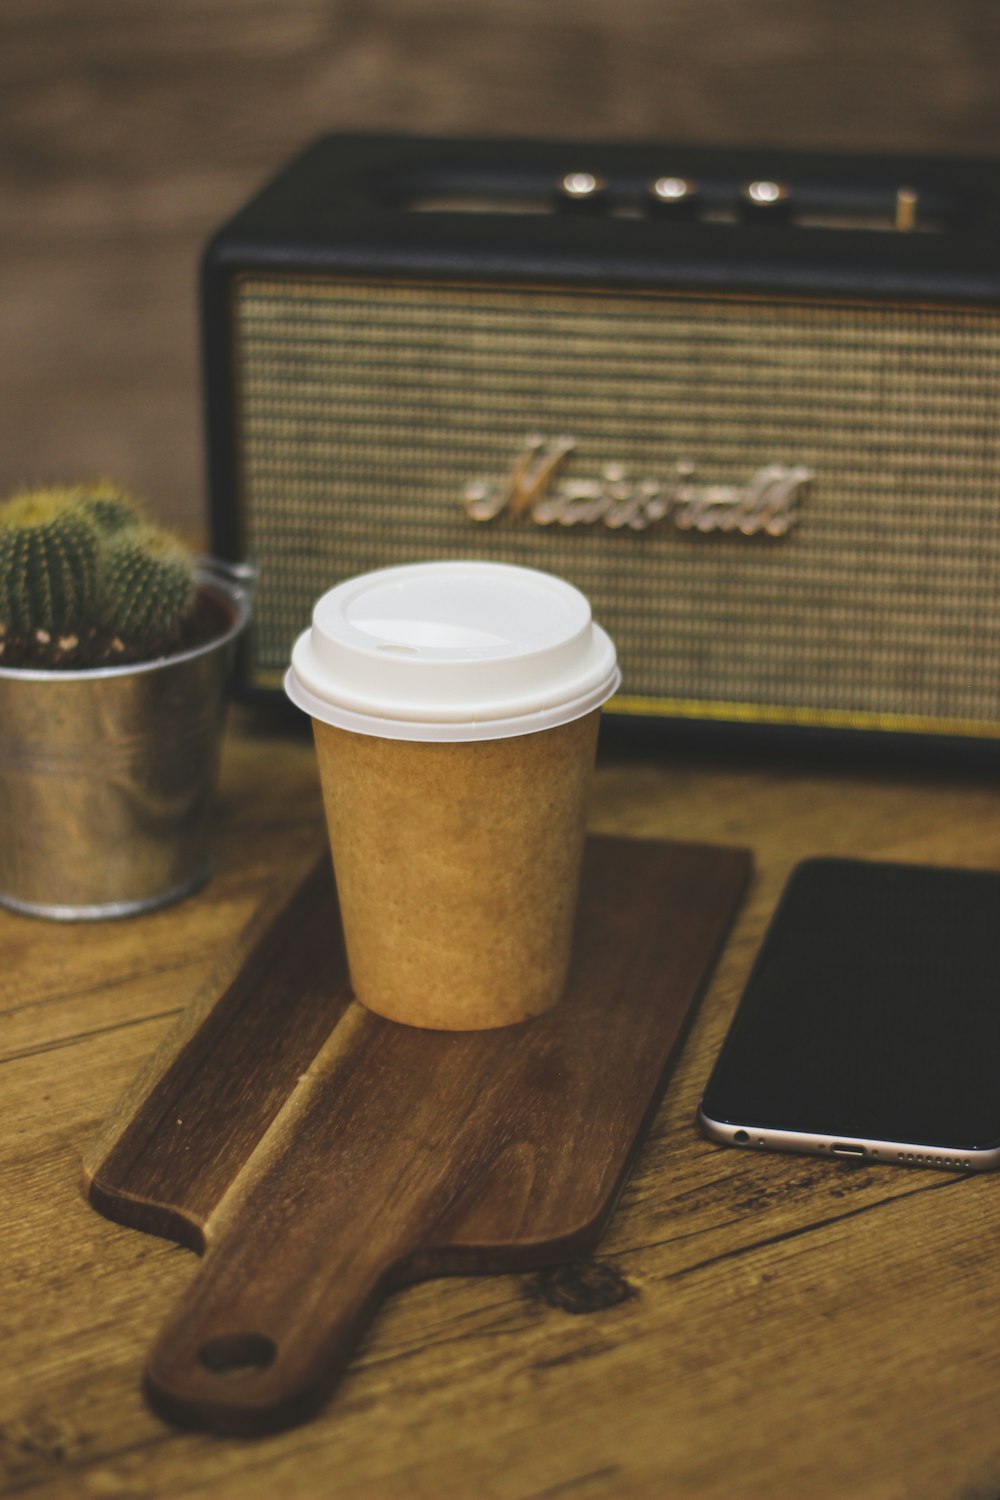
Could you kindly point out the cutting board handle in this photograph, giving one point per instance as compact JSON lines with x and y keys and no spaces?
{"x":260,"y":1339}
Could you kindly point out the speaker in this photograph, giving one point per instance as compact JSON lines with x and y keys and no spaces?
{"x":746,"y":401}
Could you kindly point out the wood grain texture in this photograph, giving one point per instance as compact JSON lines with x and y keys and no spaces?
{"x":128,"y":132}
{"x":754,"y":1326}
{"x":323,"y":1156}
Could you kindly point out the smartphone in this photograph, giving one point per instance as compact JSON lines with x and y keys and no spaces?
{"x":870,"y":1024}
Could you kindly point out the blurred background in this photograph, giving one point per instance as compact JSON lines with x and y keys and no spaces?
{"x":130,"y":129}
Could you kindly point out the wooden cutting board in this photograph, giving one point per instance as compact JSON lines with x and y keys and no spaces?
{"x":319,"y":1156}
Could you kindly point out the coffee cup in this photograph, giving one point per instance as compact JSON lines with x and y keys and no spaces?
{"x":455,"y":709}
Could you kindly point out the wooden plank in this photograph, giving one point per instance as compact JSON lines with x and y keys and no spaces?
{"x":789,"y":1327}
{"x":128,"y":132}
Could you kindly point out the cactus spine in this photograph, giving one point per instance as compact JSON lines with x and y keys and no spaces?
{"x":109,"y":507}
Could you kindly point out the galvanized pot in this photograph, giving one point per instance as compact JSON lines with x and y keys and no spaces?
{"x":107,"y":776}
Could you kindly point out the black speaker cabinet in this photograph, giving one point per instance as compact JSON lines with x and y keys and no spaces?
{"x":747,"y":401}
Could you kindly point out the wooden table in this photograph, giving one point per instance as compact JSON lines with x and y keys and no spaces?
{"x":755,"y":1326}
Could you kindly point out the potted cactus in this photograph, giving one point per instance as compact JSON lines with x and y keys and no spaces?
{"x":114,"y":648}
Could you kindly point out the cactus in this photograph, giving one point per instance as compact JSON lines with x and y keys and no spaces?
{"x":85,"y":579}
{"x":48,"y":564}
{"x":147,"y":587}
{"x":111,"y":508}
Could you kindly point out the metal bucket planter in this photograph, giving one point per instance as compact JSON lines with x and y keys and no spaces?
{"x":108,"y":776}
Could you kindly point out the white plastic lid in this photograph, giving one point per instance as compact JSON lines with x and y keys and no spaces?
{"x":452,"y":651}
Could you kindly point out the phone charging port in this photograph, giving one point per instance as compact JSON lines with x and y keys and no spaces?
{"x":843,"y":1149}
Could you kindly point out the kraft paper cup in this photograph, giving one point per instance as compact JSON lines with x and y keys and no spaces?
{"x":455,"y":709}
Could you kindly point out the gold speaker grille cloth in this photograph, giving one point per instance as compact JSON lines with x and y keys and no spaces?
{"x":368,"y":408}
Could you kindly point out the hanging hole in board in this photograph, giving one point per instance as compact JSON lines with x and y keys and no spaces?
{"x":236,"y":1353}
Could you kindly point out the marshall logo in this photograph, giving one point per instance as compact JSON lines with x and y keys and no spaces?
{"x":768,"y":504}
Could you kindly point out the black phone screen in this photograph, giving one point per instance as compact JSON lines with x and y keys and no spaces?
{"x":873,"y":1009}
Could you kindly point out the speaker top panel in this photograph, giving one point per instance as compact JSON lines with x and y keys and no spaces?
{"x":611,"y":215}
